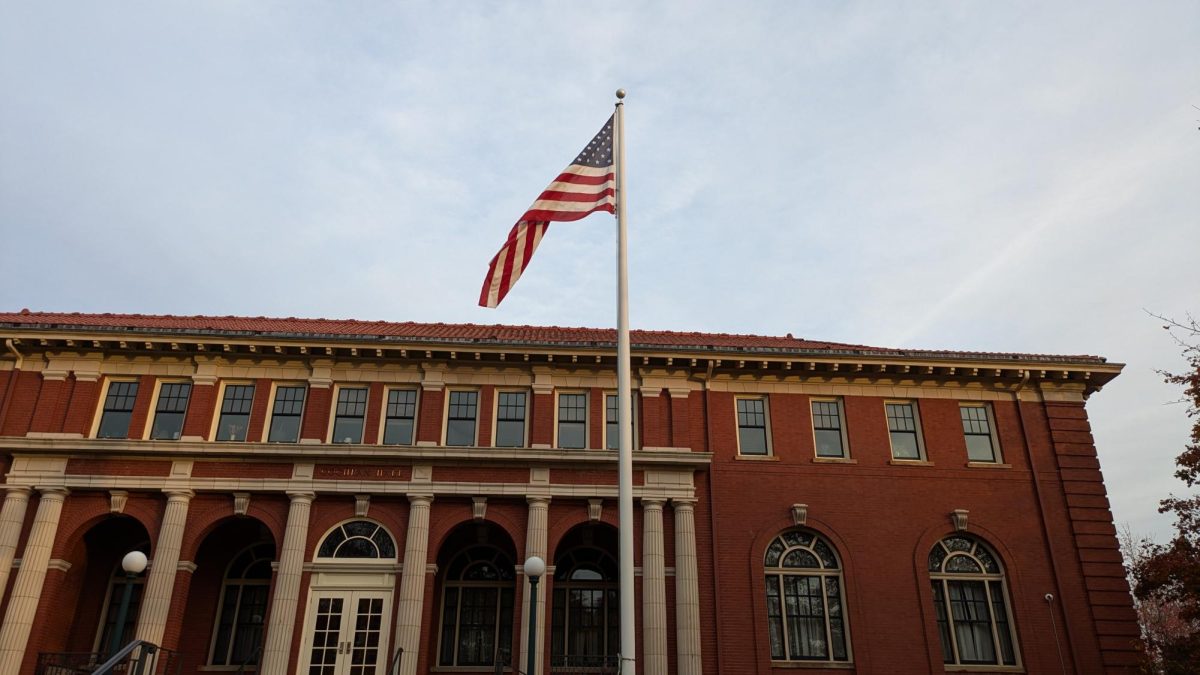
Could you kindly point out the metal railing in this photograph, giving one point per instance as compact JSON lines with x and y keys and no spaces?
{"x":594,"y":665}
{"x":67,"y":663}
{"x":255,"y":659}
{"x":396,"y":660}
{"x":141,"y":658}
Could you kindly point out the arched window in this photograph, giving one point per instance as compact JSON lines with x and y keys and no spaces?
{"x":805,"y":615}
{"x":243,"y":606}
{"x":585,"y":623}
{"x":477,"y":608}
{"x":970,"y":601}
{"x":358,"y":539}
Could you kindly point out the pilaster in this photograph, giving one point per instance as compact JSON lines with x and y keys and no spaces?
{"x":27,"y":589}
{"x":278,"y":643}
{"x":412,"y":582}
{"x":654,"y":590}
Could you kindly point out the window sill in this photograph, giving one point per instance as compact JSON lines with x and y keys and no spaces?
{"x":813,"y":664}
{"x":910,"y":462}
{"x":835,"y":460}
{"x":756,"y":458}
{"x":988,"y":465}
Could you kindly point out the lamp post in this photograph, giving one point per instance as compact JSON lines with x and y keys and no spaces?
{"x":134,"y":563}
{"x":535,"y":567}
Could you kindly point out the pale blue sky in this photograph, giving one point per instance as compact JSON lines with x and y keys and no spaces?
{"x":966,"y":175}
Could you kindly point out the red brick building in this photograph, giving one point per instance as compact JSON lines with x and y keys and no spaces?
{"x":329,"y":497}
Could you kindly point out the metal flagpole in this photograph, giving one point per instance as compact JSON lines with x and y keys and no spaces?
{"x":624,"y":409}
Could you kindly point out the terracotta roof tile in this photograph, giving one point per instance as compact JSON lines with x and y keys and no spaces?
{"x":467,"y":333}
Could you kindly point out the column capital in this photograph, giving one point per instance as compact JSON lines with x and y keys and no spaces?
{"x":299,"y":496}
{"x":681,"y":504}
{"x":179,"y":494}
{"x":653,"y":503}
{"x":420,"y":499}
{"x":538,"y":500}
{"x":18,"y":489}
{"x":58,"y":492}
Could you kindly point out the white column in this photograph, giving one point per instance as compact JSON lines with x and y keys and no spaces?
{"x":654,"y":589}
{"x":12,"y":518}
{"x":277,"y":648}
{"x":412,"y":583}
{"x":535,"y":544}
{"x":27,"y":589}
{"x":687,"y":590}
{"x":160,"y":585}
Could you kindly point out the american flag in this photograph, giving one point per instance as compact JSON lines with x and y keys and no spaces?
{"x":586,"y":186}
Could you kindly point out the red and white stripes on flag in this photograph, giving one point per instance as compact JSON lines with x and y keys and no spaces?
{"x":586,"y":186}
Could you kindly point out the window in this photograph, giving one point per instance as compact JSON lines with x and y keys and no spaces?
{"x":400,"y":418}
{"x":805,"y":616}
{"x":118,"y":409}
{"x":460,"y":418}
{"x":970,"y":603}
{"x":828,"y":430}
{"x":477,"y":608}
{"x":612,"y":431}
{"x":572,"y":420}
{"x":168,"y":414}
{"x":510,"y":419}
{"x":977,"y":429}
{"x":904,"y":428}
{"x":112,"y":605}
{"x":243,"y":607}
{"x":752,"y":426}
{"x":285,"y":416}
{"x":585,"y":622}
{"x":358,"y":539}
{"x":349,"y":415}
{"x":235,"y":412}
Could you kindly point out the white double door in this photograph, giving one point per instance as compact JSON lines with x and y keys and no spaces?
{"x":347,"y":632}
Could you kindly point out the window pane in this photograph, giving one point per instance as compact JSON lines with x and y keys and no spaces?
{"x":775,"y":617}
{"x":900,"y":417}
{"x":1002,"y":629}
{"x":979,"y":449}
{"x":752,"y":441}
{"x":460,"y":422}
{"x":285,"y":429}
{"x":572,"y":420}
{"x":114,"y":424}
{"x":510,"y":420}
{"x":169,"y":413}
{"x":347,"y":430}
{"x":235,"y":412}
{"x":805,"y":615}
{"x":904,"y":445}
{"x":829,"y":443}
{"x":943,"y":622}
{"x":400,"y":417}
{"x":972,"y":623}
{"x":397,"y":431}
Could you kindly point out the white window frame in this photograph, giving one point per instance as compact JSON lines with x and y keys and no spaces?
{"x":99,"y":416}
{"x":383,"y":416}
{"x":213,"y":637}
{"x":841,"y":412}
{"x":634,"y":400}
{"x":446,"y":416}
{"x":337,"y":390}
{"x":920,"y":435}
{"x":220,"y":402}
{"x":496,"y":414}
{"x":997,"y":452}
{"x":587,"y":413}
{"x":737,"y":425}
{"x":153,"y":412}
{"x":275,"y":386}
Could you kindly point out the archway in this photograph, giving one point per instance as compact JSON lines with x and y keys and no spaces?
{"x":585,"y":630}
{"x":476,"y":586}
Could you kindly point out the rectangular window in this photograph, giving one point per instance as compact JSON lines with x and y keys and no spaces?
{"x":510,"y":419}
{"x":828,"y":429}
{"x":572,"y":420}
{"x":285,"y":416}
{"x":235,"y":412}
{"x":612,"y":431}
{"x":752,"y":426}
{"x":977,"y":429}
{"x":904,"y":430}
{"x":401,"y":416}
{"x":460,"y":419}
{"x":118,"y":410}
{"x":349,"y":416}
{"x":171,"y":408}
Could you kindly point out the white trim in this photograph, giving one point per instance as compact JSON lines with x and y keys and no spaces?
{"x":333,"y":404}
{"x":841,"y":411}
{"x":270,"y":416}
{"x":152,"y":413}
{"x":917,"y":429}
{"x":98,"y":417}
{"x":737,"y":426}
{"x":383,"y":413}
{"x":587,"y":413}
{"x":997,"y":451}
{"x":446,"y":415}
{"x":496,"y":414}
{"x":220,"y":403}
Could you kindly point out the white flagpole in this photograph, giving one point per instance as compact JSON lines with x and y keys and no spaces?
{"x":624,"y":419}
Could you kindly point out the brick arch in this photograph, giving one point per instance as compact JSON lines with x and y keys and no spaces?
{"x":853,"y":601}
{"x":85,"y":511}
{"x":207,"y":515}
{"x":440,"y":532}
{"x":567,"y":520}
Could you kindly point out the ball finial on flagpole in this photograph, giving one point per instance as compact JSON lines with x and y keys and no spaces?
{"x":620,"y":93}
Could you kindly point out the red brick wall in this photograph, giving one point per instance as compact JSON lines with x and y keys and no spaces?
{"x":141,"y":406}
{"x":429,"y":426}
{"x":258,"y":411}
{"x":24,"y":400}
{"x":485,"y":415}
{"x":51,"y":405}
{"x":202,"y":406}
{"x":85,"y":400}
{"x":375,"y":404}
{"x":541,"y":419}
{"x":316,"y":413}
